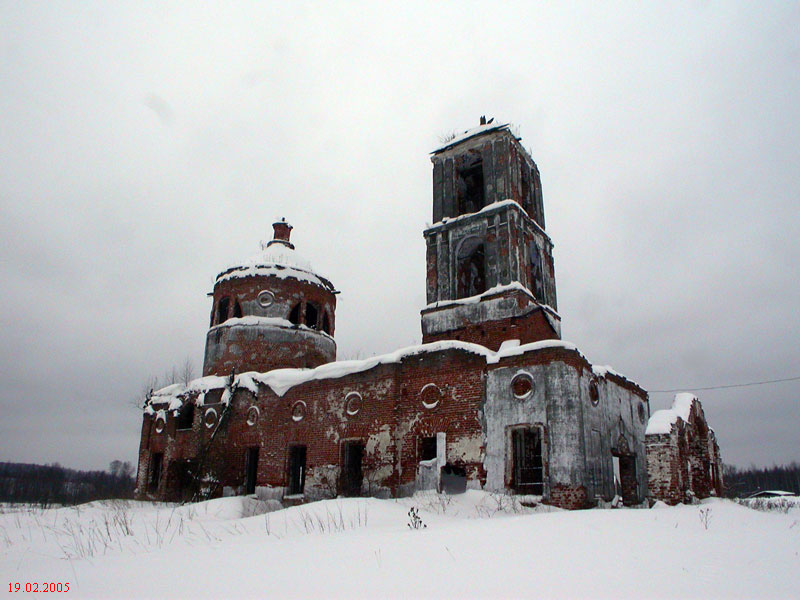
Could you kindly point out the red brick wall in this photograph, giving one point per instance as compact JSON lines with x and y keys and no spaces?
{"x":533,"y":327}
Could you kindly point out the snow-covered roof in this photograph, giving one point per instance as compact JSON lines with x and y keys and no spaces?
{"x":470,"y":133}
{"x":282,"y":380}
{"x":498,"y":289}
{"x":662,"y":421}
{"x":276,"y":260}
{"x":489,"y":208}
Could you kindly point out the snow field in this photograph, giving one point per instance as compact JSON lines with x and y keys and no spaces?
{"x":475,"y":545}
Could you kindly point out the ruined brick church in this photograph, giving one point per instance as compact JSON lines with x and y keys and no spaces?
{"x":492,"y":399}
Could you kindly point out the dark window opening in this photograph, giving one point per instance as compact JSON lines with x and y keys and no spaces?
{"x":528,"y":472}
{"x":156,"y":463}
{"x":525,"y":190}
{"x":352,"y":475}
{"x":536,"y":272}
{"x":213,"y":396}
{"x":471,"y":270}
{"x":427,"y":448}
{"x":237,"y":310}
{"x":294,"y":316}
{"x":250,"y":470}
{"x":453,"y":479}
{"x":312,"y":315}
{"x":326,"y":323}
{"x":222,"y":309}
{"x":297,"y":469}
{"x":185,"y":418}
{"x":469,"y":186}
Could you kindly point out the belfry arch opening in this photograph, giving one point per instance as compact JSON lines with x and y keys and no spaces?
{"x":222,"y":309}
{"x":470,"y":195}
{"x":471,"y":268}
{"x":326,"y":323}
{"x":312,"y":315}
{"x":294,"y":315}
{"x":237,"y":310}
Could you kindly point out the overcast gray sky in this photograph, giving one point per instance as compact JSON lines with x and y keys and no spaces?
{"x":145,"y":147}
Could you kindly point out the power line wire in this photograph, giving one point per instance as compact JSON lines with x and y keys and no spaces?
{"x":722,"y":387}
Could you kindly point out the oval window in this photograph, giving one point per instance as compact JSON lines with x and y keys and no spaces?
{"x":431,"y":395}
{"x":252,"y":415}
{"x":522,"y":386}
{"x":352,"y":403}
{"x":160,"y":424}
{"x":594,"y":392}
{"x":210,"y":418}
{"x":265,"y":298}
{"x":298,"y":411}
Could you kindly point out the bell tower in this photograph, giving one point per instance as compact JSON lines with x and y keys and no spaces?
{"x":490,"y":274}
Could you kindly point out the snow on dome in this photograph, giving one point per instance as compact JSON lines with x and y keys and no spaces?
{"x":662,"y":421}
{"x":278,"y":260}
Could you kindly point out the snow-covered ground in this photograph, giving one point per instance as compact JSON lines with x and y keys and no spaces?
{"x":473,"y":545}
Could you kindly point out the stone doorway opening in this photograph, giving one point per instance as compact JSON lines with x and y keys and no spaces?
{"x":297,"y":470}
{"x":352,"y":474}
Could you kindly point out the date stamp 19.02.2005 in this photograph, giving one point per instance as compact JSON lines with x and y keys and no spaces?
{"x":36,"y":587}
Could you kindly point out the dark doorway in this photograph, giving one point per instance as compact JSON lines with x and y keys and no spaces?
{"x":180,"y":483}
{"x":250,"y":470}
{"x":627,"y":479}
{"x":156,"y":463}
{"x":453,"y":479}
{"x":297,"y":469}
{"x":528,"y":471}
{"x":352,"y":475}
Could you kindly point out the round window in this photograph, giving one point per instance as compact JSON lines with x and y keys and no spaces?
{"x":298,"y":411}
{"x":522,"y":386}
{"x":252,"y":415}
{"x":265,"y":298}
{"x":431,"y":395}
{"x":594,"y":392}
{"x":352,"y":403}
{"x":160,"y":424}
{"x":210,"y":418}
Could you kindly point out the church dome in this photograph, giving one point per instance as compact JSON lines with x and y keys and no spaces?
{"x":277,"y":258}
{"x":271,"y":311}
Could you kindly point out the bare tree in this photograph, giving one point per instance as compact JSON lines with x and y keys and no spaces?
{"x":187,"y":371}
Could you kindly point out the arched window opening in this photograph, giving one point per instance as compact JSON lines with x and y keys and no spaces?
{"x":326,"y":323}
{"x":469,"y":184}
{"x":294,"y":316}
{"x":222,"y":309}
{"x":525,"y":190}
{"x":471,"y":268}
{"x":536,"y":272}
{"x":237,"y":310}
{"x":312,"y":316}
{"x":185,"y":416}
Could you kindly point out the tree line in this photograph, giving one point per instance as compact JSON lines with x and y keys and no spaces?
{"x":740,"y":483}
{"x":53,"y":484}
